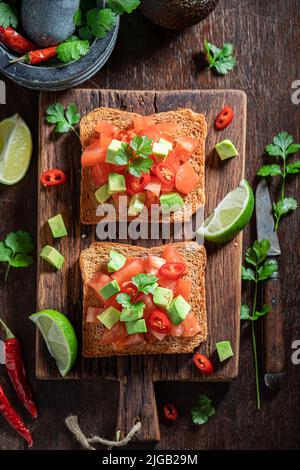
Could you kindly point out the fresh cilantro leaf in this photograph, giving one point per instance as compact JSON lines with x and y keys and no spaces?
{"x":8,"y":16}
{"x":123,"y":155}
{"x":203,"y":410}
{"x":269,"y":170}
{"x":72,"y":49}
{"x":21,"y":261}
{"x":256,"y":253}
{"x":124,"y":300}
{"x":248,"y":274}
{"x":72,"y":114}
{"x":19,"y":242}
{"x":267,"y":269}
{"x":140,"y":165}
{"x":85,"y":33}
{"x":264,"y":311}
{"x":293,"y":168}
{"x":145,"y":283}
{"x":222,"y":60}
{"x":123,"y":6}
{"x":5,"y":253}
{"x":142,"y":146}
{"x":284,"y":206}
{"x":100,"y":21}
{"x":282,"y":146}
{"x":77,"y":18}
{"x":245,"y":312}
{"x":137,"y":308}
{"x":15,"y":249}
{"x":64,"y":119}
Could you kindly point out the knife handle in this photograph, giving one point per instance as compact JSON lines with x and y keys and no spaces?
{"x":273,"y":327}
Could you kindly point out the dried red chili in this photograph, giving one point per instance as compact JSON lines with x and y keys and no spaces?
{"x":170,"y":412}
{"x":10,"y":38}
{"x":53,"y":177}
{"x":38,"y":56}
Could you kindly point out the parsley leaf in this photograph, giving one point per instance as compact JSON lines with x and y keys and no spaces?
{"x":142,"y":146}
{"x":203,"y":410}
{"x":64,"y":119}
{"x":269,"y":268}
{"x":222,"y":60}
{"x":293,"y":168}
{"x":269,"y":170}
{"x":123,"y":6}
{"x":15,"y":249}
{"x":123,"y":155}
{"x":248,"y":274}
{"x":124,"y":300}
{"x":258,"y":252}
{"x":72,"y":49}
{"x":8,"y":16}
{"x":100,"y":21}
{"x":145,"y":283}
{"x":245,"y":312}
{"x":284,"y":206}
{"x":140,"y":165}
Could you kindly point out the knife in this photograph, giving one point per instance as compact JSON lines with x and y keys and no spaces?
{"x":273,"y":324}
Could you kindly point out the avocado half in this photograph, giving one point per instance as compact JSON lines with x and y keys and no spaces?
{"x":177,"y":14}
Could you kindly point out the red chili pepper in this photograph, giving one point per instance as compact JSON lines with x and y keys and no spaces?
{"x":172,"y":270}
{"x":135,"y":185}
{"x":170,"y":412}
{"x":16,"y":370}
{"x":53,"y":177}
{"x":224,"y":118}
{"x":36,"y":57}
{"x":10,"y":38}
{"x":203,"y":364}
{"x":159,"y":322}
{"x":12,"y":417}
{"x":130,"y":289}
{"x":165,"y":173}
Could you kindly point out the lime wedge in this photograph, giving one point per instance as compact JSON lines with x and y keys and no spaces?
{"x":60,"y":338}
{"x":231,"y":215}
{"x":15,"y":149}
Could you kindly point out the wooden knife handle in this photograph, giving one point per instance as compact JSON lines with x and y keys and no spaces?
{"x":273,"y":326}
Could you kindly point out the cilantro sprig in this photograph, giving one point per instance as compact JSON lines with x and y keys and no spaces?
{"x":63,"y":118}
{"x":282,"y":147}
{"x":123,"y":6}
{"x":259,"y":269}
{"x":146,"y":284}
{"x":203,"y":410}
{"x":142,"y":147}
{"x":222,"y":60}
{"x":72,"y":49}
{"x":15,"y":249}
{"x":8,"y":16}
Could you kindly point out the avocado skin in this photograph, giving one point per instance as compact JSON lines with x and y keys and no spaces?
{"x":177,"y":14}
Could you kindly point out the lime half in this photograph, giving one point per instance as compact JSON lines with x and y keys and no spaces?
{"x":15,"y":149}
{"x":60,"y":338}
{"x":231,"y":215}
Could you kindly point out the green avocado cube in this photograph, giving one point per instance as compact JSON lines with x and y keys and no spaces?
{"x":171,"y":202}
{"x":129,"y":315}
{"x":116,"y":183}
{"x":102,"y":194}
{"x":161,"y":149}
{"x":50,"y":254}
{"x":226,"y":149}
{"x":134,"y":327}
{"x":109,"y":290}
{"x":57,"y":226}
{"x":224,"y":350}
{"x":178,"y":310}
{"x":136,"y":204}
{"x":162,"y":297}
{"x":109,"y":317}
{"x":112,"y":150}
{"x":166,"y":143}
{"x":116,"y":261}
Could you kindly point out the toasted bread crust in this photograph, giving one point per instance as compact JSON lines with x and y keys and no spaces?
{"x":189,"y":123}
{"x":95,"y":258}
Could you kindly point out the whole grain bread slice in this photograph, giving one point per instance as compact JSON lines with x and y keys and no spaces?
{"x":95,"y":258}
{"x":189,"y":123}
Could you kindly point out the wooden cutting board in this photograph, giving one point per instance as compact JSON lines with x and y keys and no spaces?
{"x":63,"y":290}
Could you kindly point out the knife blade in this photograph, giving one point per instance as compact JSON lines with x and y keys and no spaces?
{"x":2,"y":352}
{"x":273,"y":324}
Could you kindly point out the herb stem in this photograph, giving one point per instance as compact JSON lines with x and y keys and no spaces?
{"x":7,"y":272}
{"x":74,"y":130}
{"x":254,"y":345}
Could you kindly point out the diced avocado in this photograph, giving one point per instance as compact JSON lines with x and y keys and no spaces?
{"x":102,"y":194}
{"x":136,"y":204}
{"x":178,"y":310}
{"x":166,"y":143}
{"x":226,"y":149}
{"x":116,"y":183}
{"x":57,"y":226}
{"x":109,"y":290}
{"x":50,"y":254}
{"x":224,"y":350}
{"x":163,"y":297}
{"x":128,"y":315}
{"x":112,"y":150}
{"x":161,"y":149}
{"x":171,"y":201}
{"x":116,"y":261}
{"x":109,"y":317}
{"x":134,"y":327}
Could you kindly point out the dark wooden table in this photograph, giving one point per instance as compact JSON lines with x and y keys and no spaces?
{"x":267,"y":37}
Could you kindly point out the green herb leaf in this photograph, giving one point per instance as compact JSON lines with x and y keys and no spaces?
{"x":64,"y":119}
{"x":245,"y":312}
{"x":284,"y":206}
{"x":267,"y":269}
{"x":248,"y":274}
{"x":142,"y":146}
{"x":123,"y":155}
{"x":282,"y":145}
{"x":77,"y":18}
{"x":293,"y":168}
{"x":21,"y":261}
{"x":85,"y":33}
{"x":100,"y":21}
{"x":8,"y":16}
{"x":145,"y":283}
{"x":5,"y":253}
{"x":14,"y":250}
{"x":124,"y":300}
{"x":269,"y":170}
{"x":203,"y":410}
{"x":139,"y":165}
{"x":264,"y":311}
{"x":123,"y":6}
{"x":72,"y":49}
{"x":222,"y":60}
{"x":256,"y":253}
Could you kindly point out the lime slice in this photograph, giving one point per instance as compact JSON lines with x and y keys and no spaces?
{"x":231,"y":215}
{"x":15,"y":149}
{"x":60,"y":338}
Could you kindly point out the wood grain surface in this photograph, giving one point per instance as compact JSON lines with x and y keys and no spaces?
{"x":266,"y":35}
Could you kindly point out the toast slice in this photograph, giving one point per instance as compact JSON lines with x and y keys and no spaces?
{"x":189,"y":124}
{"x":95,"y":258}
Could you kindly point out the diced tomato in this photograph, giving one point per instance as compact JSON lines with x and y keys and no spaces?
{"x":104,"y":141}
{"x":171,"y":255}
{"x":93,"y":154}
{"x":100,"y":173}
{"x":98,"y":281}
{"x":184,"y":288}
{"x":148,"y":301}
{"x":154,"y":186}
{"x":190,"y":326}
{"x":159,"y":336}
{"x":186,"y":178}
{"x":184,"y":148}
{"x":150,"y":200}
{"x":120,"y":169}
{"x":177,"y":330}
{"x":131,"y":340}
{"x":154,"y":263}
{"x":116,"y":334}
{"x":172,"y":270}
{"x":92,"y":313}
{"x":167,"y":283}
{"x":129,"y":135}
{"x":136,"y":266}
{"x":168,"y":128}
{"x":173,"y":161}
{"x":140,"y":123}
{"x":106,"y":128}
{"x":112,"y":302}
{"x":167,"y":187}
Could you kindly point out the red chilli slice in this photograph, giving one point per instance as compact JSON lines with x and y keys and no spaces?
{"x":224,"y":118}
